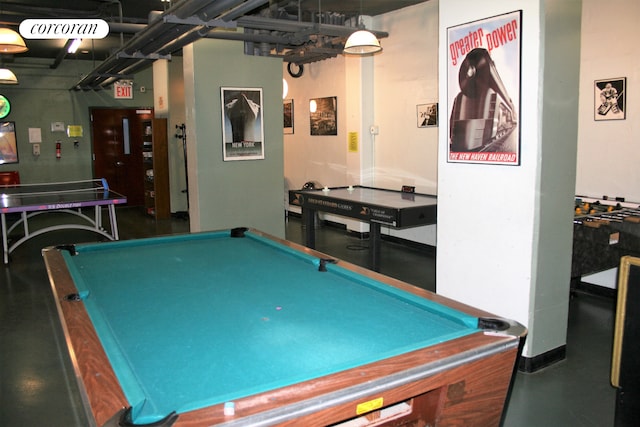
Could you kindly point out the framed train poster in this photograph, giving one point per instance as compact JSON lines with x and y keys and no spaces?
{"x":483,"y":90}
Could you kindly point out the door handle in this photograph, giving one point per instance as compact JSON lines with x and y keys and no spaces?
{"x":119,"y":163}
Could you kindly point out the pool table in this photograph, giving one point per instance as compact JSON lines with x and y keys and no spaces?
{"x":239,"y":328}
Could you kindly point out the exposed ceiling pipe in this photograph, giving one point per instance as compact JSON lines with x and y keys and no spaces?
{"x":250,"y":37}
{"x":216,"y":8}
{"x":190,"y":20}
{"x":240,"y":10}
{"x":156,"y":34}
{"x":61,"y":55}
{"x":117,"y":27}
{"x":261,"y":23}
{"x":201,"y":32}
{"x":186,"y":8}
{"x":159,"y":32}
{"x":151,"y":45}
{"x":233,"y":9}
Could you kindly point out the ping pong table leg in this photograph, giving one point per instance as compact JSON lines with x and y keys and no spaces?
{"x":5,"y":244}
{"x":98,"y":217}
{"x":114,"y":222}
{"x":25,"y":223}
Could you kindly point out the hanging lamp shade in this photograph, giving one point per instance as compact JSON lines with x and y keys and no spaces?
{"x":11,"y":41}
{"x":7,"y":77}
{"x":362,"y":42}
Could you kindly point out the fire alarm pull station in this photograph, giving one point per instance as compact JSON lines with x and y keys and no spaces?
{"x":58,"y":150}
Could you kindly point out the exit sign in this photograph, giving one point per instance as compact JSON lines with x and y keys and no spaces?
{"x":123,"y":89}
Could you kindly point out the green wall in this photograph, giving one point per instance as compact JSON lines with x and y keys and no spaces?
{"x":43,"y":97}
{"x":234,"y":193}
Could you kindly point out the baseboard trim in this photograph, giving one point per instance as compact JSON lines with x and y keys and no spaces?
{"x":536,"y":363}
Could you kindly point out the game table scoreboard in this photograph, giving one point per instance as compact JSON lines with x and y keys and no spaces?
{"x":238,"y":328}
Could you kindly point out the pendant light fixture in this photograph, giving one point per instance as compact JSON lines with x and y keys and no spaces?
{"x":362,"y":42}
{"x":7,"y":77}
{"x":11,"y":42}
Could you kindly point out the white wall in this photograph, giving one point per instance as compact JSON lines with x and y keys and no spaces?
{"x":316,"y":158}
{"x":515,"y":243}
{"x":609,"y":151}
{"x":486,"y":213}
{"x":404,"y":153}
{"x":406,"y":75}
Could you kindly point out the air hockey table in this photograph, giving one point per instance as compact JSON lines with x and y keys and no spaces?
{"x":376,"y":206}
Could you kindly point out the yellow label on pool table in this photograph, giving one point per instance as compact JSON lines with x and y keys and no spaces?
{"x":369,"y":406}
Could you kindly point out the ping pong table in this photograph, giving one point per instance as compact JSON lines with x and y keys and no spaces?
{"x":26,"y":201}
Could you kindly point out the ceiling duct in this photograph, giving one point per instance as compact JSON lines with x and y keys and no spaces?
{"x":278,"y":34}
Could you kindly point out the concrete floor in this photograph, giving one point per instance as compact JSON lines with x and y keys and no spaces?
{"x":38,"y":387}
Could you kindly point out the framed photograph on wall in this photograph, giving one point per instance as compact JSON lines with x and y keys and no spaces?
{"x":427,"y":115}
{"x":242,"y":125}
{"x":483,"y":90}
{"x":8,"y":143}
{"x":609,"y":99}
{"x":288,"y":116}
{"x":324,"y":115}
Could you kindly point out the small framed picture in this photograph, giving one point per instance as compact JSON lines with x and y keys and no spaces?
{"x":609,"y":99}
{"x":288,"y":116}
{"x":324,"y":115}
{"x":427,"y":115}
{"x":8,"y":143}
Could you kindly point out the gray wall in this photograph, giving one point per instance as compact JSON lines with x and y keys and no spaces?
{"x":233,"y":193}
{"x":42,"y":97}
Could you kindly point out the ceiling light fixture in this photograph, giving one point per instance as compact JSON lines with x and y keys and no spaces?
{"x":7,"y":77}
{"x":75,"y":44}
{"x":362,"y":42}
{"x":11,"y":41}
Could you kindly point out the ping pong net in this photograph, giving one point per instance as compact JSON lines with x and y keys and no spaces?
{"x":75,"y":187}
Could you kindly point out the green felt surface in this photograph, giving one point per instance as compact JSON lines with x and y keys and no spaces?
{"x":191,"y":321}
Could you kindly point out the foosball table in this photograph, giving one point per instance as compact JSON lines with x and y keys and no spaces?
{"x":604,"y":230}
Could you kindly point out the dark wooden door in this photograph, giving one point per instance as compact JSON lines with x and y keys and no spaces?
{"x":117,"y":150}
